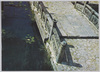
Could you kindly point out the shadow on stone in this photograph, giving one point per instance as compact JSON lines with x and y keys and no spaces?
{"x":67,"y":60}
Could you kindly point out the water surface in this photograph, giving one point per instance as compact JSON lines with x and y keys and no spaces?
{"x":17,"y":28}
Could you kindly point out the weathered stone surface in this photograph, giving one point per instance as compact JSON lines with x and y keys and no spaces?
{"x":87,"y":56}
{"x":70,"y":20}
{"x":85,"y":52}
{"x":86,"y":60}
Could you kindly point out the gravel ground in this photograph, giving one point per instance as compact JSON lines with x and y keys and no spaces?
{"x":85,"y":52}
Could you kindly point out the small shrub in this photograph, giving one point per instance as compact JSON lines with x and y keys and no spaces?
{"x":20,"y":2}
{"x":29,"y":39}
{"x":3,"y":31}
{"x":26,"y":9}
{"x":24,"y":5}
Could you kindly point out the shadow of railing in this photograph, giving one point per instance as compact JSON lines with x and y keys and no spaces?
{"x":67,"y":59}
{"x":47,"y":18}
{"x":80,"y":37}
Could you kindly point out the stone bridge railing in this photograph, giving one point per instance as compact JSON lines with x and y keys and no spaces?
{"x":49,"y":27}
{"x":91,"y":14}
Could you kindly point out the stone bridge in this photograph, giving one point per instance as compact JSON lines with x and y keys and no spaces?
{"x":70,"y":34}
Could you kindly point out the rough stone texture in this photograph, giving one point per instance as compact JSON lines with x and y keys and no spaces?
{"x":70,"y":21}
{"x":85,"y":53}
{"x":94,"y":2}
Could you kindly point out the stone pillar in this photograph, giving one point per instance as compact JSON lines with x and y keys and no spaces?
{"x":84,"y":6}
{"x":75,"y":4}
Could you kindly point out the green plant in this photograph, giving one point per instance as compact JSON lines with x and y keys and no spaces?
{"x":48,"y":41}
{"x":26,"y":9}
{"x":29,"y":15}
{"x":20,"y":5}
{"x":11,"y":3}
{"x":20,"y":2}
{"x":29,"y":39}
{"x":32,"y":17}
{"x":3,"y":31}
{"x":24,"y":5}
{"x":42,"y":48}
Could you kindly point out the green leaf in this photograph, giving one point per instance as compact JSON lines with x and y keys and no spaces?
{"x":27,"y":34}
{"x":26,"y":9}
{"x":29,"y":42}
{"x":24,"y":5}
{"x":26,"y":37}
{"x":20,"y":2}
{"x":19,"y":5}
{"x":32,"y":38}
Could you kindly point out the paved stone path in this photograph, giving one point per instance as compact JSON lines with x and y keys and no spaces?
{"x":84,"y":55}
{"x":83,"y":52}
{"x":69,"y":21}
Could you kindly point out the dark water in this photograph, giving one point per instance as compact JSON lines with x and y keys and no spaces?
{"x":17,"y":54}
{"x":95,"y":7}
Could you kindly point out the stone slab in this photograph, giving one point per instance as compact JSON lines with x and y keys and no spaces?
{"x":69,"y":21}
